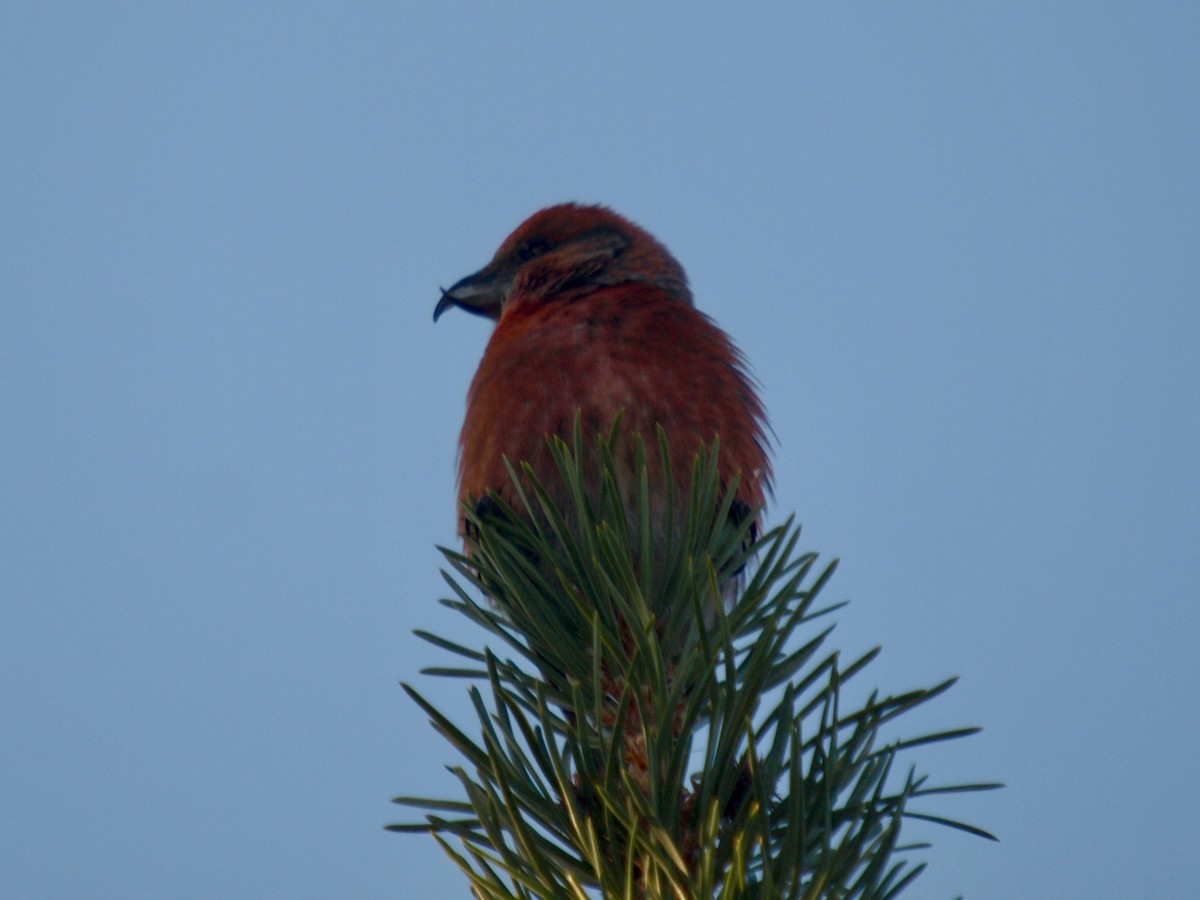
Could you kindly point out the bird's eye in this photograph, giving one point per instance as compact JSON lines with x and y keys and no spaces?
{"x":531,"y":248}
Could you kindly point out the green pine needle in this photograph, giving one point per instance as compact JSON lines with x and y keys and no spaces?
{"x":637,"y":738}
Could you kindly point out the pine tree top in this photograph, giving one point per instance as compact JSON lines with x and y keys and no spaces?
{"x":638,"y":738}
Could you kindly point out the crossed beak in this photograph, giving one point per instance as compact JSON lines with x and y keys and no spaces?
{"x":481,"y":294}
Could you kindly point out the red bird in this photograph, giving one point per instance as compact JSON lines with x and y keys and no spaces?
{"x":593,"y":315}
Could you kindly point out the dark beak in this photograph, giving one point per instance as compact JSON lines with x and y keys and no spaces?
{"x":481,"y":294}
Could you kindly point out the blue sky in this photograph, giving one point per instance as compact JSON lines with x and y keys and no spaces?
{"x":957,"y":242}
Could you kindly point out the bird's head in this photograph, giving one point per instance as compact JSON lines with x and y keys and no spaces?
{"x":562,"y":253}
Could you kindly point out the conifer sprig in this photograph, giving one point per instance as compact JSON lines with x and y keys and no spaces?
{"x":637,"y":738}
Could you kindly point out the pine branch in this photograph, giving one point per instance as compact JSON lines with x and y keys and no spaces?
{"x":625,"y":744}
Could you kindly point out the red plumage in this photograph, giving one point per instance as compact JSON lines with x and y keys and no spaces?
{"x":593,"y":315}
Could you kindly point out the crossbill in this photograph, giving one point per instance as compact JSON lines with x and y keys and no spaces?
{"x":594,"y":318}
